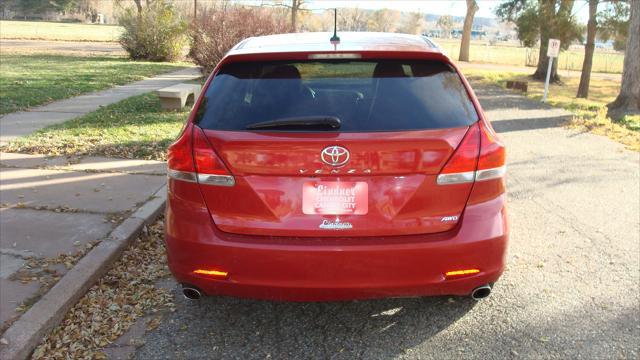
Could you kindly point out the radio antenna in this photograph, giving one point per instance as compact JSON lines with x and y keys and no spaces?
{"x":335,"y":39}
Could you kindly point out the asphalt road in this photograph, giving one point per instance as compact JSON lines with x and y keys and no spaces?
{"x":571,"y":289}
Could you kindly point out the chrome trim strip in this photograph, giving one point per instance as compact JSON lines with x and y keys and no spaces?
{"x":488,"y":174}
{"x":181,"y":175}
{"x":216,"y":180}
{"x":457,"y":178}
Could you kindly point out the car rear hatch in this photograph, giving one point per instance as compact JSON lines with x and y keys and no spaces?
{"x":335,"y":148}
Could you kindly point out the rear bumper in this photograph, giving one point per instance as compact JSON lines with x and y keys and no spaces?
{"x":322,"y":269}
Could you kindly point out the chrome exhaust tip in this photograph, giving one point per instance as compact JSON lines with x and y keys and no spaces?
{"x":191,"y":292}
{"x":481,"y":292}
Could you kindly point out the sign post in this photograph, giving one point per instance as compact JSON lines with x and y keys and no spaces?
{"x":552,"y":52}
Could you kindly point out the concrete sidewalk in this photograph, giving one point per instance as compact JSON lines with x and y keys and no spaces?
{"x":25,"y":122}
{"x":53,"y":209}
{"x":64,"y":220}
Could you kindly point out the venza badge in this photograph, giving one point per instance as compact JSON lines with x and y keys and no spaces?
{"x":335,"y":155}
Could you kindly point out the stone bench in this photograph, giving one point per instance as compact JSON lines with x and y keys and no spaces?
{"x":176,"y":97}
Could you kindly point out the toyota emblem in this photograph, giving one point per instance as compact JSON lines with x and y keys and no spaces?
{"x":335,"y":155}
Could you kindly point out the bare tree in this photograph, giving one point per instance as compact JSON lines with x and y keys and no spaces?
{"x":383,"y":20}
{"x":296,"y":5}
{"x":472,"y":8}
{"x":225,"y":24}
{"x":138,"y":4}
{"x":585,"y":77}
{"x":445,"y":24}
{"x":628,"y":100}
{"x":352,"y":19}
{"x":412,"y":24}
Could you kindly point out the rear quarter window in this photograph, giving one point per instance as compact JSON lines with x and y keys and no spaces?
{"x":384,"y":95}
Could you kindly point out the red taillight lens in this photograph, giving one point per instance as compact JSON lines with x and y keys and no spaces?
{"x":492,"y":154}
{"x":209,"y":167}
{"x":179,"y":156}
{"x":192,"y":159}
{"x":461,"y":166}
{"x":180,"y":159}
{"x":491,"y":163}
{"x":206,"y":159}
{"x":480,"y":156}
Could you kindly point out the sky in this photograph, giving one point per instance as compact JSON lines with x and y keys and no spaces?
{"x":438,"y":7}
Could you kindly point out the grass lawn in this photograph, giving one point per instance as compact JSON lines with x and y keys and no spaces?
{"x":42,"y":30}
{"x":589,"y":113}
{"x":35,"y":79}
{"x":481,"y":51}
{"x":135,"y":128}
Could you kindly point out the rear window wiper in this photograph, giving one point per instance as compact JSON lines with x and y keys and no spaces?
{"x":302,"y":122}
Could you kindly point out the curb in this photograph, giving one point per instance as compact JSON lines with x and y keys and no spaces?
{"x":27,"y":332}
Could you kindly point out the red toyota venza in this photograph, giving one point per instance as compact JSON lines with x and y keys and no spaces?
{"x":312,"y":170}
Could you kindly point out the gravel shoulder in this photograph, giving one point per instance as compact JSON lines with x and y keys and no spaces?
{"x":570,"y":290}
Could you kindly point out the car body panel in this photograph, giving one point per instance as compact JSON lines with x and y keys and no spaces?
{"x":271,"y":168}
{"x":322,"y":269}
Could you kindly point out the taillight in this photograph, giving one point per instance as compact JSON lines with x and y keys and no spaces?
{"x":480,"y":156}
{"x":210,"y":168}
{"x":180,"y":159}
{"x":461,"y":167}
{"x":192,"y":159}
{"x":491,"y":163}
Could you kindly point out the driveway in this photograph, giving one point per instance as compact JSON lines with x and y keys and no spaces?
{"x":570,"y":290}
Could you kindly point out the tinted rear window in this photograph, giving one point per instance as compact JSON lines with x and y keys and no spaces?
{"x":365,"y":95}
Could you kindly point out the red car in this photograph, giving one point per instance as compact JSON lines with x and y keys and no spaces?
{"x":312,"y":170}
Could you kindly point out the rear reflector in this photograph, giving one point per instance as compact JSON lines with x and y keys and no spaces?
{"x":212,"y":273}
{"x":462,"y":272}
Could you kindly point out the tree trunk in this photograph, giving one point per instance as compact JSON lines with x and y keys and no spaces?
{"x":547,"y":12}
{"x":585,"y":77}
{"x":628,"y":100}
{"x":294,"y":12}
{"x":543,"y":62}
{"x":472,"y":7}
{"x":138,"y":6}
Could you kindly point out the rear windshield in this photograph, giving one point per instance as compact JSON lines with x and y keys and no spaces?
{"x":385,"y":95}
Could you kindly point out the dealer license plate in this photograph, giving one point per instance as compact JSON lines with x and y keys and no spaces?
{"x":335,"y":198}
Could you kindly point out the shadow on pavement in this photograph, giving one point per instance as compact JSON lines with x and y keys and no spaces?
{"x":494,"y":98}
{"x":235,"y":328}
{"x":509,"y":125}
